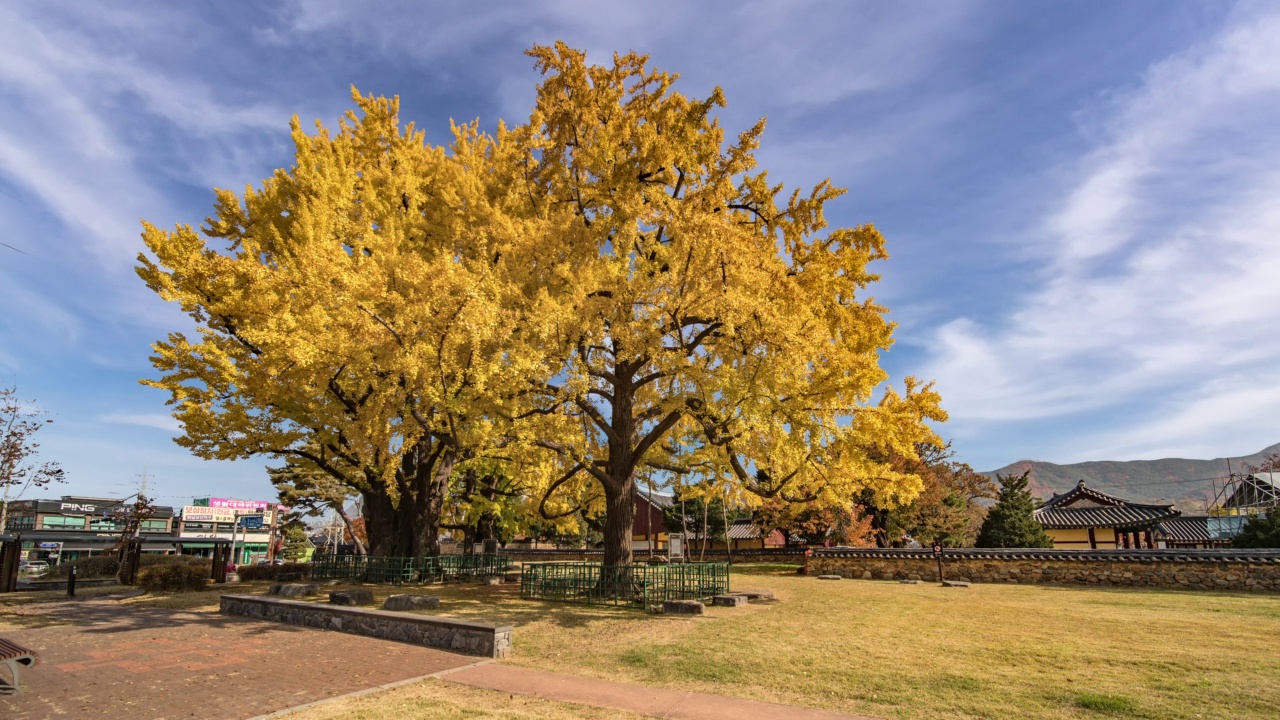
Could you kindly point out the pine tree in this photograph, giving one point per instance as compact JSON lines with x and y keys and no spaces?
{"x":1261,"y":531}
{"x":296,"y":543}
{"x":1011,"y":522}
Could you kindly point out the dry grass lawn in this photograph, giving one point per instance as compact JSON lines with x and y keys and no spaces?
{"x":922,"y":651}
{"x":436,"y":700}
{"x":878,"y":648}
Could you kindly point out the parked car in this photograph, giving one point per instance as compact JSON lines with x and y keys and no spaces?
{"x":33,"y":567}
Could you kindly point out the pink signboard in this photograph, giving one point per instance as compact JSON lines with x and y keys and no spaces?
{"x":242,"y":504}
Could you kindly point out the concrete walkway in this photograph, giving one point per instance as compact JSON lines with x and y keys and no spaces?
{"x":127,"y":663}
{"x":641,"y":699}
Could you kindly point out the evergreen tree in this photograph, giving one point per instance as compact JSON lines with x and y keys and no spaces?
{"x":295,"y":541}
{"x":1011,"y":523}
{"x":1261,"y":531}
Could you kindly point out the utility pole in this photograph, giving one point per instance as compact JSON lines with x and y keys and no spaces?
{"x":271,"y":534}
{"x":234,"y":525}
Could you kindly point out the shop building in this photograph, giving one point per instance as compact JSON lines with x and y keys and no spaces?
{"x":248,"y":524}
{"x":83,"y":526}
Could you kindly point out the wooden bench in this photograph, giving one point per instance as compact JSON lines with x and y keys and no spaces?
{"x":13,"y":655}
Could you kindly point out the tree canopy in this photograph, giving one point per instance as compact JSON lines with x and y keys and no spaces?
{"x":608,"y":289}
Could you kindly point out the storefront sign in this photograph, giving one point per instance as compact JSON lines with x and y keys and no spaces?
{"x":194,"y":513}
{"x":253,"y":538}
{"x":243,"y":506}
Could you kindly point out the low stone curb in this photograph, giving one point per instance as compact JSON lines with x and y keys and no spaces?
{"x":469,"y":638}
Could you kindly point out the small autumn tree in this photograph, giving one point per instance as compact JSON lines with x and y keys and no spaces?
{"x":1270,"y":463}
{"x":1011,"y":522}
{"x":129,"y":518}
{"x":948,"y":509}
{"x":712,"y":326}
{"x":19,"y":468}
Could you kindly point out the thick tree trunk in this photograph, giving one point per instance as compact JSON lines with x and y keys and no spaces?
{"x":431,"y":504}
{"x":410,"y":527}
{"x":381,"y":522}
{"x":620,"y":516}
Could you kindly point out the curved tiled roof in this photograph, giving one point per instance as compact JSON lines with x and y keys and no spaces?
{"x":1085,"y":507}
{"x":742,"y":529}
{"x":1186,"y":529}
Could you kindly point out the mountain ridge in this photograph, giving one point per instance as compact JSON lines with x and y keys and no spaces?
{"x":1187,"y":484}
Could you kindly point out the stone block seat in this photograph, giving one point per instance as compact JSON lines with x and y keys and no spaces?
{"x":294,"y":589}
{"x":684,"y":607}
{"x":356,"y":596}
{"x":401,"y":603}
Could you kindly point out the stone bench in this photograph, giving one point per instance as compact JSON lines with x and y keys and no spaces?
{"x":461,"y":636}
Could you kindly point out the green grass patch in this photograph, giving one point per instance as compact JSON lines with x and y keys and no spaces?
{"x":1108,"y":704}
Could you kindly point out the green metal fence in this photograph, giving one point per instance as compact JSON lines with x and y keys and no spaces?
{"x":643,"y":586}
{"x":407,"y":570}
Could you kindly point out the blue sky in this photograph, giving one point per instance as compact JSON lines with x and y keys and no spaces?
{"x":1081,"y":199}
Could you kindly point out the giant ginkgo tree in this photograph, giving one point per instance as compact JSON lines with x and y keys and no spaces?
{"x":608,"y":291}
{"x":714,"y":328}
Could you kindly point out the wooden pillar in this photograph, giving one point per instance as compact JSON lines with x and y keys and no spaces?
{"x":1093,"y":541}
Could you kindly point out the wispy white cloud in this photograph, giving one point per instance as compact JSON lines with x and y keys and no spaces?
{"x":1157,"y":273}
{"x":158,"y":421}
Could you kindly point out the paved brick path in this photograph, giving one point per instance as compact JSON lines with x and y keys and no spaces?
{"x":147,"y":664}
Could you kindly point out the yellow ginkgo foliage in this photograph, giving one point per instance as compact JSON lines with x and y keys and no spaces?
{"x":354,"y":313}
{"x":607,"y":291}
{"x":711,"y":328}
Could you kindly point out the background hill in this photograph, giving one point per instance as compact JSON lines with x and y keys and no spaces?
{"x":1186,"y":483}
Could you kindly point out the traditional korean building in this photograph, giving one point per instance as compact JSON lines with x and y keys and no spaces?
{"x":743,"y":535}
{"x":1087,"y":519}
{"x":649,"y":530}
{"x":1191,"y":533}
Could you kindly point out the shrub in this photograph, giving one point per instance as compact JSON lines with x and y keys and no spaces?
{"x":173,"y":577}
{"x":1261,"y":531}
{"x":272,"y":572}
{"x":94,"y":566}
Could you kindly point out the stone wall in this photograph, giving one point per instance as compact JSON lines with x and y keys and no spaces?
{"x":1251,"y":570}
{"x":460,"y":636}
